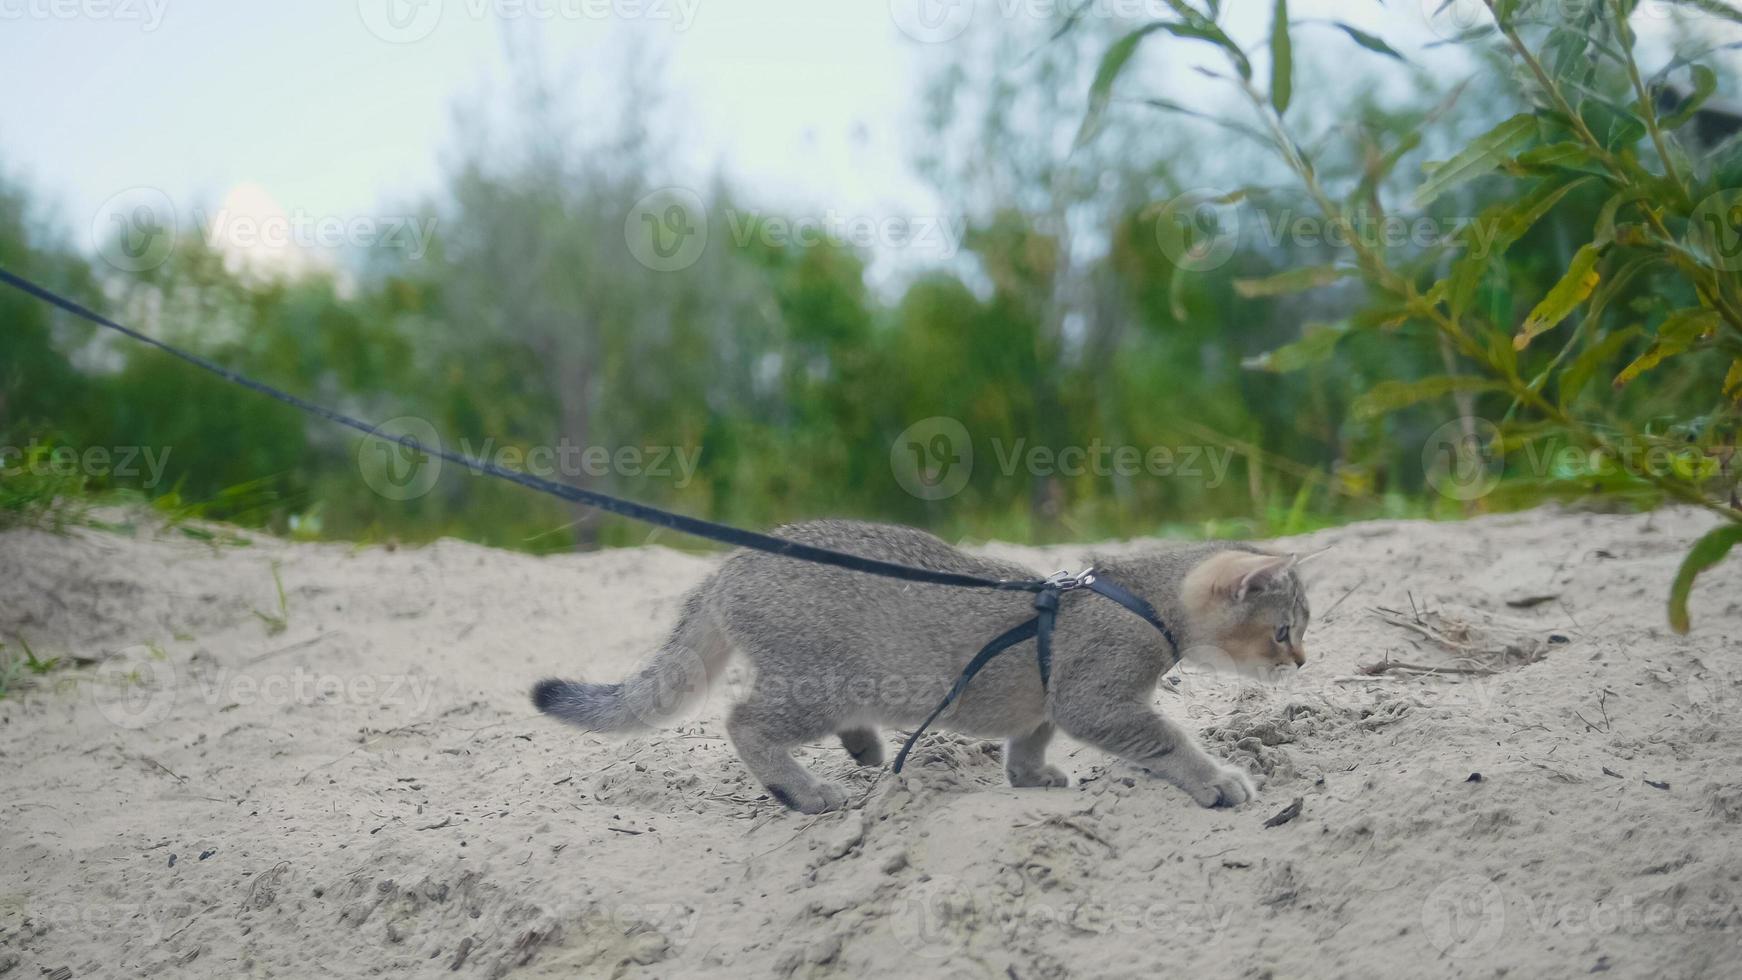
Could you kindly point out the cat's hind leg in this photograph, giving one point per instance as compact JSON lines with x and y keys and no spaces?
{"x":864,"y":745}
{"x":1025,"y":760}
{"x":764,"y":733}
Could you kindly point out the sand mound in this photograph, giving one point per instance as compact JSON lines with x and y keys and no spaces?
{"x":1505,"y":762}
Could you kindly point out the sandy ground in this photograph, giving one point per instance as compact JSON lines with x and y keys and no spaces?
{"x":353,"y":784}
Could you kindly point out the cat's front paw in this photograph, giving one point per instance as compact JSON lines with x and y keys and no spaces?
{"x":1227,"y":787}
{"x":1048,"y":776}
{"x":817,"y":798}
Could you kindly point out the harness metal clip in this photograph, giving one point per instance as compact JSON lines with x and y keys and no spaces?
{"x":1064,"y":581}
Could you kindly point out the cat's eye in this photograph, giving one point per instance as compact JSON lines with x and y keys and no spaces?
{"x":1282,"y":634}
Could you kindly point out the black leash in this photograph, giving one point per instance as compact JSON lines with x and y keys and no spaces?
{"x":1046,"y":605}
{"x":1047,"y":591}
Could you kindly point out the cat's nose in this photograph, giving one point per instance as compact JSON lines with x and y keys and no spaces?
{"x":1298,"y":654}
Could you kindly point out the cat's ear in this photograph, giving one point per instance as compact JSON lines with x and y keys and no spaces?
{"x":1234,"y":575}
{"x":1263,"y":573}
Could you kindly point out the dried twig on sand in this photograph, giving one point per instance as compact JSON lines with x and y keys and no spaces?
{"x":1493,"y":642}
{"x":1389,"y":664}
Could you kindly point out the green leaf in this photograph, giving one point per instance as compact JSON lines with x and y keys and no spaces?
{"x":1168,"y":105}
{"x":1477,"y":33}
{"x":1389,"y":396}
{"x":1293,"y":281}
{"x":1112,"y":63}
{"x":1281,"y":59}
{"x":1176,"y":292}
{"x":1616,"y":281}
{"x":1369,"y":42}
{"x":1317,"y":342}
{"x":1717,"y":8}
{"x":1497,"y":229}
{"x":1706,"y":552}
{"x":1119,"y":55}
{"x":1675,"y":335}
{"x":1379,"y":317}
{"x":1205,"y":29}
{"x":1581,"y":277}
{"x":1482,"y":156}
{"x":1566,"y":155}
{"x":1733,"y":381}
{"x":1584,"y":367}
{"x":1705,"y":83}
{"x":1605,"y":229}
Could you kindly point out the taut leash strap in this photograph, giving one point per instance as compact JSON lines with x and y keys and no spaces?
{"x":1047,"y":591}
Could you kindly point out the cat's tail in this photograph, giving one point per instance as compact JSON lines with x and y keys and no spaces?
{"x":664,"y":691}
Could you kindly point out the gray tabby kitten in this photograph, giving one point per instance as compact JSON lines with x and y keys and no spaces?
{"x":842,"y":652}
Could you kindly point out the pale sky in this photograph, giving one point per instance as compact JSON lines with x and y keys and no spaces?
{"x":340,"y":109}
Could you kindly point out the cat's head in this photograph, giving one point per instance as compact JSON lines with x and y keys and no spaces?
{"x":1248,"y":611}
